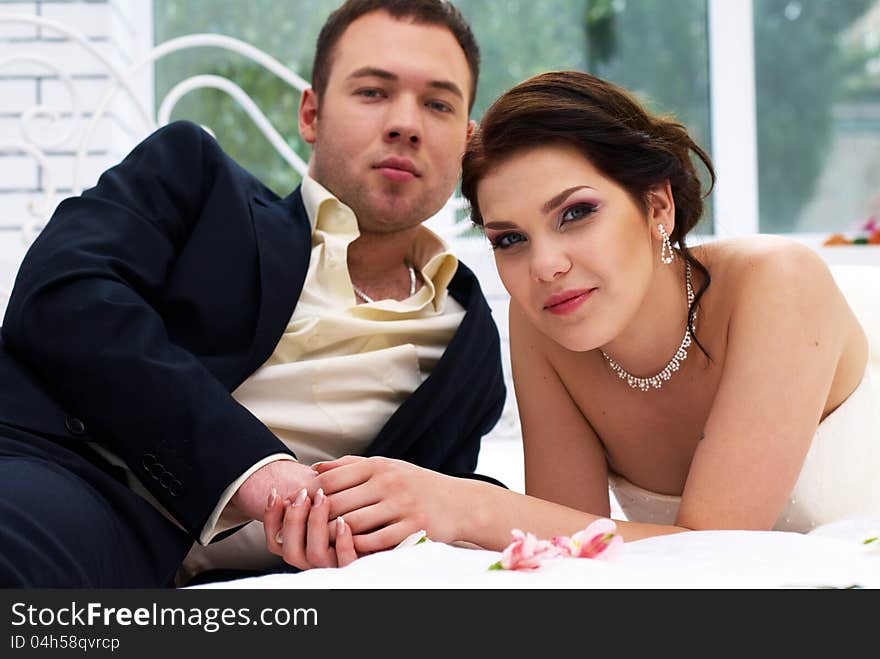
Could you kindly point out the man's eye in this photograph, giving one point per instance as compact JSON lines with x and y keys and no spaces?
{"x":370,"y":93}
{"x":440,"y":107}
{"x":506,"y":240}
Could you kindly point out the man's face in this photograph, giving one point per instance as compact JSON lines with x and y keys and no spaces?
{"x":389,"y":131}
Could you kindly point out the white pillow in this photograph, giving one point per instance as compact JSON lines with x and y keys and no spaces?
{"x":860,"y":285}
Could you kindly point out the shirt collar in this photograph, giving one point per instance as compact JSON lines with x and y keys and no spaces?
{"x":318,"y":200}
{"x":430,"y":254}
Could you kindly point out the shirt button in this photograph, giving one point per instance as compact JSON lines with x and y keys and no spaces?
{"x":74,"y":426}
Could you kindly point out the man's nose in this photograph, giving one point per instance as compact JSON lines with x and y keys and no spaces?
{"x":404,"y":121}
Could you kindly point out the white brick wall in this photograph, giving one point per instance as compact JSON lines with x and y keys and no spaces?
{"x":18,"y":30}
{"x":17,"y":96}
{"x":75,"y":60}
{"x":122,"y":31}
{"x":18,"y":173}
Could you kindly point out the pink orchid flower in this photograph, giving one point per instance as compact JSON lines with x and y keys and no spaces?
{"x":526,"y":552}
{"x":598,"y":540}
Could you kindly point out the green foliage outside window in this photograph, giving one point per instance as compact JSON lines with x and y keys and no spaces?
{"x":803,"y":70}
{"x":518,"y":38}
{"x":656,"y":48}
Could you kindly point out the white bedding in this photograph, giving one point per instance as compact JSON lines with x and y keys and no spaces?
{"x":833,"y":555}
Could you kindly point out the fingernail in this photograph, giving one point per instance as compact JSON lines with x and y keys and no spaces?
{"x":279,"y":538}
{"x":272,"y":498}
{"x":303,"y":493}
{"x":319,"y":497}
{"x":340,"y":525}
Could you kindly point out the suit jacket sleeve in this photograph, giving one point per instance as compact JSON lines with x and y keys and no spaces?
{"x":86,"y":316}
{"x":479,"y":409}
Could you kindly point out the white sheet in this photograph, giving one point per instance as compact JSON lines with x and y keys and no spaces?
{"x":830,"y":556}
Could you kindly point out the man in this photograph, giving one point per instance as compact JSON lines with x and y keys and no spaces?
{"x":181,"y":345}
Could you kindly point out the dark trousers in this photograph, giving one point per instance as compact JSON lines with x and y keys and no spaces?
{"x":68,"y":521}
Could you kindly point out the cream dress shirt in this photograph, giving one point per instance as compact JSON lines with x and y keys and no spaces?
{"x":340,"y":370}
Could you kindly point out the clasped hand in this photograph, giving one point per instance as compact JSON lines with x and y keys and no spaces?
{"x":361,"y":505}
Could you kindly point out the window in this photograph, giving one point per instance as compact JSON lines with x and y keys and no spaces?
{"x":817,"y":76}
{"x":784,"y":94}
{"x":659,"y":50}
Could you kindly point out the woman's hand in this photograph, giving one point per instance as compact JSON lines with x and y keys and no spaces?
{"x":302,"y":534}
{"x":385,"y":500}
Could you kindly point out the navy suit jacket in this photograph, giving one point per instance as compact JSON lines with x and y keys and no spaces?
{"x":149,"y":298}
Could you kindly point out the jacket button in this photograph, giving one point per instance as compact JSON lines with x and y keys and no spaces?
{"x":74,"y":426}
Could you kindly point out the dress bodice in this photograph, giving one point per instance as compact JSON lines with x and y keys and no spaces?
{"x":840,"y":477}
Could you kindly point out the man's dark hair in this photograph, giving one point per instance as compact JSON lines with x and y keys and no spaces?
{"x":426,"y":12}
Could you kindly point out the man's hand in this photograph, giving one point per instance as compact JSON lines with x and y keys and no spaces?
{"x":284,"y":478}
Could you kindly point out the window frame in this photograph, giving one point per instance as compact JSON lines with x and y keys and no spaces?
{"x":734,"y":134}
{"x":733,"y":117}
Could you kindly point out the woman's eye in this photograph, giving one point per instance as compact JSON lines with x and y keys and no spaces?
{"x":506,"y":240}
{"x":577,"y":212}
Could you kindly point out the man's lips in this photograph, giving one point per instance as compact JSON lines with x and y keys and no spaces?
{"x":567,"y":301}
{"x":397,"y":169}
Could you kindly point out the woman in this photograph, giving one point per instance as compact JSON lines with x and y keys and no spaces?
{"x":700,"y":383}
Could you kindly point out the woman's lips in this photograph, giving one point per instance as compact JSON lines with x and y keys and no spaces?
{"x":567,"y":302}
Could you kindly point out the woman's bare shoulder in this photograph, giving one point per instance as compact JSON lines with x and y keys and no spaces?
{"x":747,"y":261}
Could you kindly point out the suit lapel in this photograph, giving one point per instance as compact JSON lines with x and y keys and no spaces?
{"x":283,"y":247}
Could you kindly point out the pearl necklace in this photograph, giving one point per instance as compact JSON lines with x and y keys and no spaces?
{"x":412,"y":286}
{"x":680,"y":355}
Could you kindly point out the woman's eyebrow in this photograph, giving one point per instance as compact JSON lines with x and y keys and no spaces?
{"x":562,"y":196}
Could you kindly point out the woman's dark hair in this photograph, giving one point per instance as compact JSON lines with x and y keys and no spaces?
{"x":625,"y":142}
{"x":425,"y":12}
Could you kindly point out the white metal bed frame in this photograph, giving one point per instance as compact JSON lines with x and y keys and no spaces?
{"x":34,"y":143}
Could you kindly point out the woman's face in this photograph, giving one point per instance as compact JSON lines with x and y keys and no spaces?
{"x":573,"y":249}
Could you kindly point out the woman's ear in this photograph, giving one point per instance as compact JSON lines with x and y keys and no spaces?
{"x":661,"y":207}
